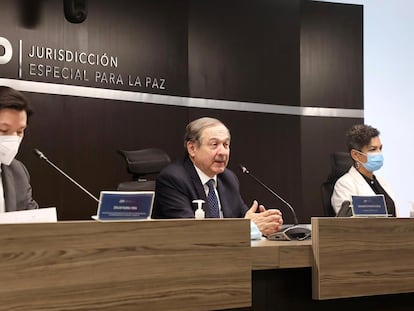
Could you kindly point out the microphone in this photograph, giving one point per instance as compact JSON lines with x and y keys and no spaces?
{"x":294,"y":232}
{"x":345,"y":210}
{"x":246,"y":171}
{"x":43,"y":157}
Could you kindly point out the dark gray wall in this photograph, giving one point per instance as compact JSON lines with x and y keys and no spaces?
{"x":331,"y":76}
{"x":285,"y":52}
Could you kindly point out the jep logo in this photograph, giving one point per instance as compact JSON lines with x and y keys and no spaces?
{"x":8,"y":51}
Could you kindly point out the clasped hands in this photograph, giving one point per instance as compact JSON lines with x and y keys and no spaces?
{"x":267,"y":220}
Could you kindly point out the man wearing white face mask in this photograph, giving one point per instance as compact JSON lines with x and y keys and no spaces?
{"x":15,"y":189}
{"x":365,"y":148}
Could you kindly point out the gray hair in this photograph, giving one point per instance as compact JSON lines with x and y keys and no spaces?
{"x":195,"y":128}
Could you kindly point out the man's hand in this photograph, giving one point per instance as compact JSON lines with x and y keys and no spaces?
{"x":268,"y":221}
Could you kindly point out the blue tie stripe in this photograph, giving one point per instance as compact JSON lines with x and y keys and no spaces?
{"x":214,"y":211}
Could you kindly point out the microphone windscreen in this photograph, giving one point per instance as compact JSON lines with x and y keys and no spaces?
{"x":39,"y":153}
{"x":345,"y":210}
{"x":244,"y":169}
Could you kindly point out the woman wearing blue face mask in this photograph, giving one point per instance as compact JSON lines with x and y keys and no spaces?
{"x":365,"y":148}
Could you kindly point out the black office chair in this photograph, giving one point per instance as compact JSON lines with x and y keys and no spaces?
{"x":341,"y":163}
{"x":141,"y":163}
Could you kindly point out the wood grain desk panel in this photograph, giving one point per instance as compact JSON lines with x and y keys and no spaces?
{"x":362,"y":257}
{"x":150,"y":265}
{"x":281,"y":254}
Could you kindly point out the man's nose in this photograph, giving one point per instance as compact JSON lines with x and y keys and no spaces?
{"x":223,"y":148}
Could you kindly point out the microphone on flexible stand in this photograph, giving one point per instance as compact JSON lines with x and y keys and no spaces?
{"x":345,"y":210}
{"x":43,"y":157}
{"x":246,"y":171}
{"x":295,"y":232}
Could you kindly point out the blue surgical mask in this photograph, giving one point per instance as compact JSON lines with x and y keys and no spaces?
{"x":375,"y":160}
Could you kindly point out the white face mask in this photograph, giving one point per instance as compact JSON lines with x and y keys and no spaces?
{"x":9,"y":145}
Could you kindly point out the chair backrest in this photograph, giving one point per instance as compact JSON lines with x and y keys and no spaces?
{"x":326,"y":193}
{"x":149,"y":161}
{"x":340,"y":164}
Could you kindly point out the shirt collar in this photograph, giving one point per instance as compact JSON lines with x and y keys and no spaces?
{"x":368,"y":180}
{"x":203,"y":177}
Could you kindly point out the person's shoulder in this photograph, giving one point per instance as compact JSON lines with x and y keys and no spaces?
{"x":16,"y":168}
{"x":381,"y":180}
{"x":228,"y":175}
{"x":350,"y":174}
{"x":15,"y":164}
{"x":174,"y":168}
{"x":228,"y":172}
{"x":352,"y":180}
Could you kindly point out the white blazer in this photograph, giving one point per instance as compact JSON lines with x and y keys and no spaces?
{"x":352,"y":183}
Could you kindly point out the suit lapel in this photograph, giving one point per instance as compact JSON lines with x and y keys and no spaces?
{"x":225,"y":204}
{"x":363,"y":187}
{"x":8,"y":190}
{"x":195,"y":179}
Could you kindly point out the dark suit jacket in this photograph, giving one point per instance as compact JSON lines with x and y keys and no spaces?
{"x":178,"y":185}
{"x":16,"y":187}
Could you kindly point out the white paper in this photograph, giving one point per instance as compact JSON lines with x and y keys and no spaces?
{"x":40,"y":215}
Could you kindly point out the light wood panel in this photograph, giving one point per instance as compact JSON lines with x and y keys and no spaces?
{"x":281,"y":254}
{"x":362,"y":256}
{"x":150,"y":265}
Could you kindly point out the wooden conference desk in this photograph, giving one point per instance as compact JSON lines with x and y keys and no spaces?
{"x":150,"y":265}
{"x":281,"y":254}
{"x":350,"y":263}
{"x":204,"y":265}
{"x":362,"y":256}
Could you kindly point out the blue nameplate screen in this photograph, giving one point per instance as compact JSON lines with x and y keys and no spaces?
{"x":117,"y":205}
{"x":372,"y":205}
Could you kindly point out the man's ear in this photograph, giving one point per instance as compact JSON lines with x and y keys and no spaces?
{"x":191,"y":148}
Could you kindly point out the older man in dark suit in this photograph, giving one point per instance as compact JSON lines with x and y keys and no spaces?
{"x":15,"y":189}
{"x":202,"y":174}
